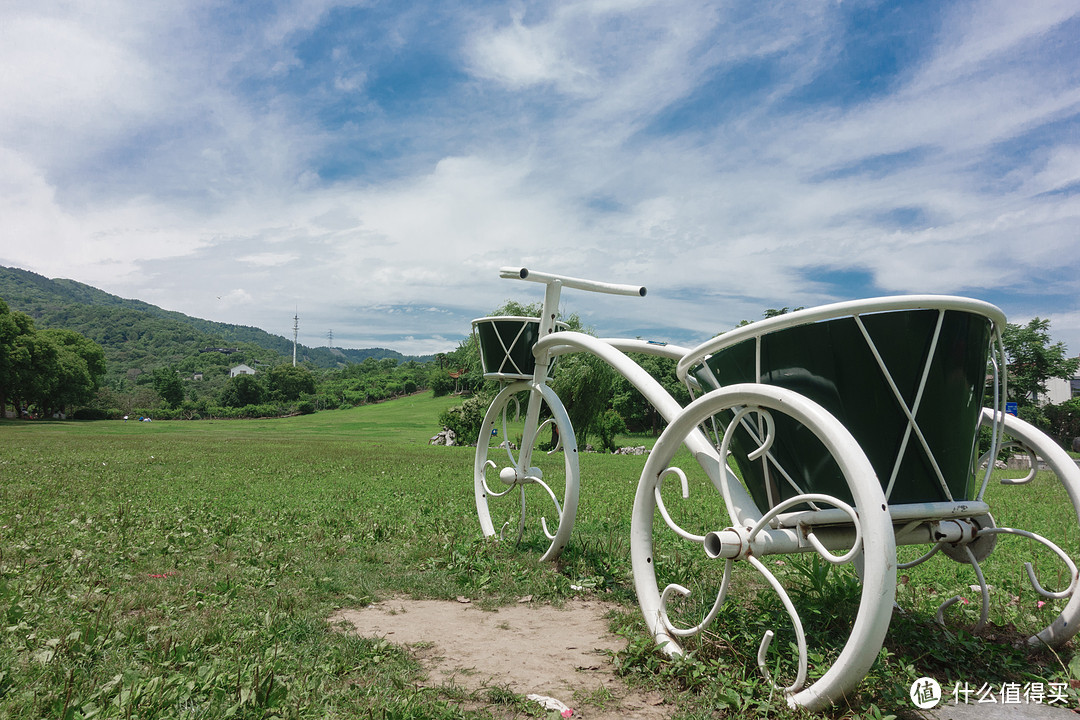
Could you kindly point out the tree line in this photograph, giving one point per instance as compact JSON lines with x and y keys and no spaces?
{"x":49,"y":370}
{"x":53,"y":371}
{"x":274,"y":390}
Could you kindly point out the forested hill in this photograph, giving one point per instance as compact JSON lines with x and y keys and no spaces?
{"x":139,"y":336}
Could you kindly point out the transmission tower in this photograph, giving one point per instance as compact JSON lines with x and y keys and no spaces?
{"x":295,"y":332}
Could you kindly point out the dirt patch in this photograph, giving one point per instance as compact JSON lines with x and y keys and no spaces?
{"x":563,"y":653}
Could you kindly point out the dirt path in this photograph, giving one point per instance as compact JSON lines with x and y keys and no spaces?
{"x":528,"y":648}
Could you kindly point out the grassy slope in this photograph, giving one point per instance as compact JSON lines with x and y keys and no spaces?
{"x":186,"y":569}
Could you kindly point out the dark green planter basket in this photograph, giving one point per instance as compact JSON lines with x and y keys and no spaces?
{"x":832,"y":363}
{"x":506,"y":346}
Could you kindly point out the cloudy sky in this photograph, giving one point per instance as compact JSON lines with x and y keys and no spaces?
{"x":370,"y":165}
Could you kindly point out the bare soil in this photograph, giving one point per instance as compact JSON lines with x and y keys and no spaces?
{"x":563,"y":653}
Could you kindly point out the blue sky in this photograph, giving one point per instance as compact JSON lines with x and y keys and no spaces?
{"x":371,"y":165}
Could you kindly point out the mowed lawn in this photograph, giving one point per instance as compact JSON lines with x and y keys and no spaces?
{"x":187,"y":569}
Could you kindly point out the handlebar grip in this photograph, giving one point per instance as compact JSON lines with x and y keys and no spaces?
{"x":520,"y":273}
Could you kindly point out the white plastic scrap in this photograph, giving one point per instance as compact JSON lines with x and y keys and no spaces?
{"x":550,"y":703}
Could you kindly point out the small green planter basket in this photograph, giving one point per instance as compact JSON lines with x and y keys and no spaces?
{"x":506,"y":346}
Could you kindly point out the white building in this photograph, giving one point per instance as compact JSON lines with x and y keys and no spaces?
{"x":241,"y":370}
{"x":1059,"y":390}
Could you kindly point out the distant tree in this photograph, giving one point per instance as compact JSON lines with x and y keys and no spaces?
{"x":441,"y":382}
{"x":40,"y":374}
{"x":169,"y":386}
{"x":1064,"y":420}
{"x":15,"y":328}
{"x":369,"y":365}
{"x":771,"y":313}
{"x":466,"y":419}
{"x":586,"y":385}
{"x":242,"y":390}
{"x":639,"y":414}
{"x":90,"y":352}
{"x":76,"y":374}
{"x":50,"y":368}
{"x":774,"y":312}
{"x":607,"y":425}
{"x":464,"y":363}
{"x":1033,"y":360}
{"x":288,"y":382}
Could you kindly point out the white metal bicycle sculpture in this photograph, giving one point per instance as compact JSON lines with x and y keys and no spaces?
{"x":846,"y":430}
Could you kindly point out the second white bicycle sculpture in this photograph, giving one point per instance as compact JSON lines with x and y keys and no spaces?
{"x":845,"y":431}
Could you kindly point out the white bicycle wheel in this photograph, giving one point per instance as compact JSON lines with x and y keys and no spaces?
{"x":1024,"y":555}
{"x":674,"y":544}
{"x":532,"y":504}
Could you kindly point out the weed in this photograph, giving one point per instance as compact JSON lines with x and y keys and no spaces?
{"x":600,"y":698}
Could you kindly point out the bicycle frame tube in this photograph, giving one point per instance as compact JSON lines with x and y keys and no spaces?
{"x":646,"y":347}
{"x":613,"y":352}
{"x":532,"y":414}
{"x":698,"y":444}
{"x":553,"y":287}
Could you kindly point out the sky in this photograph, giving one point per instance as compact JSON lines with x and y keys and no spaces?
{"x":369,"y":166}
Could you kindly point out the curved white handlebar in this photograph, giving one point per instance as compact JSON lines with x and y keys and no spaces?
{"x":520,"y":273}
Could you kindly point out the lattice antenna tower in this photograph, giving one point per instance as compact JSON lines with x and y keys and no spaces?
{"x":295,"y":332}
{"x":330,"y":338}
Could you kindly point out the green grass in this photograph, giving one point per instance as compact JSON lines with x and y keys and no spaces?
{"x":186,"y":570}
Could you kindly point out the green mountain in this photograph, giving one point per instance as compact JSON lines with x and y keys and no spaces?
{"x":138,"y":337}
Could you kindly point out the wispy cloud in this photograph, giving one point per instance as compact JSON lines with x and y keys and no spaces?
{"x":334,"y":157}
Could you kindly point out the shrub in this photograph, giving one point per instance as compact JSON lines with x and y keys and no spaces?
{"x":261,"y":411}
{"x":466,"y":419}
{"x":1034,"y":414}
{"x":441,"y":383}
{"x":157,"y":414}
{"x":89,"y":414}
{"x":607,"y":426}
{"x":1064,"y":420}
{"x":352,"y":398}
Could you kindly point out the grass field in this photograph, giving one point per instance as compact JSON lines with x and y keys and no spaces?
{"x":186,"y":570}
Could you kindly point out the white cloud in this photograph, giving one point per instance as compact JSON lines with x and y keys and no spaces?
{"x":557,"y":157}
{"x":985,"y":35}
{"x":1064,"y":327}
{"x":519,"y":57}
{"x":101,"y":246}
{"x":236,"y":297}
{"x":1060,"y":172}
{"x":62,"y":72}
{"x":269,"y":259}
